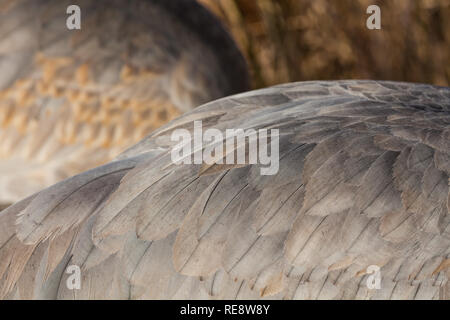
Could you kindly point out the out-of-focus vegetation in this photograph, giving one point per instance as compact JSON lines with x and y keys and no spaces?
{"x":293,"y":40}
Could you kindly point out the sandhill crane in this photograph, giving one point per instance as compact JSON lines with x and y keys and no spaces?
{"x":363,"y":181}
{"x":71,"y":100}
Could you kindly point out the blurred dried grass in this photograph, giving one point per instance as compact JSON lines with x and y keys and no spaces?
{"x":292,"y":40}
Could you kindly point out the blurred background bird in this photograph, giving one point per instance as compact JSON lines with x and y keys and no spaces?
{"x":71,"y":100}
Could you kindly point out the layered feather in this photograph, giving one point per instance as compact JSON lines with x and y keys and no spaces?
{"x":363,"y":180}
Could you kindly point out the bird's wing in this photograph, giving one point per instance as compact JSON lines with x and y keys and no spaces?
{"x":363,"y":181}
{"x":71,"y":100}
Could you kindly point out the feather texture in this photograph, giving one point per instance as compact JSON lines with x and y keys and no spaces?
{"x":363,"y":180}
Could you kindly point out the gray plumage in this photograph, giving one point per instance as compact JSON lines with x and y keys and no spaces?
{"x":363,"y":180}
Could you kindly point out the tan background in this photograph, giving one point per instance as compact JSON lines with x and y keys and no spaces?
{"x":293,"y":40}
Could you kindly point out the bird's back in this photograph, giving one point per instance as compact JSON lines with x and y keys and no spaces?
{"x":362,"y":186}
